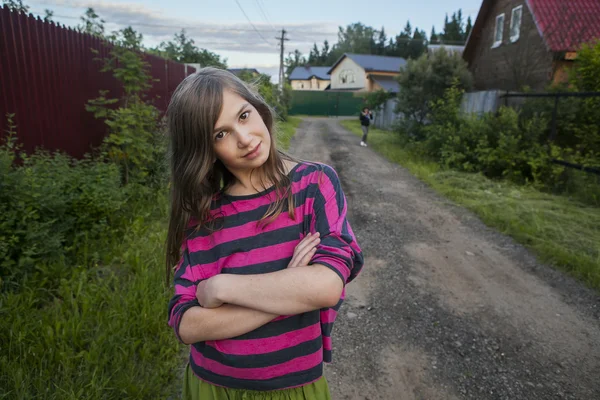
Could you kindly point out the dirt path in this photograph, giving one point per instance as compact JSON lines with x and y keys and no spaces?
{"x":445,"y":307}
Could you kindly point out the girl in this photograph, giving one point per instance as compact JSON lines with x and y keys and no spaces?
{"x":261,"y":247}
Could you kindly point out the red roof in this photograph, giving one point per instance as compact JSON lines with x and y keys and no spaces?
{"x":565,"y":24}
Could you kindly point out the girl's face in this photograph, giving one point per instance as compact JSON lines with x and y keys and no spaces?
{"x":240,"y":138}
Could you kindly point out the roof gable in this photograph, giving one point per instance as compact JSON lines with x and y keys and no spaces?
{"x":306,"y":72}
{"x":371,"y":62}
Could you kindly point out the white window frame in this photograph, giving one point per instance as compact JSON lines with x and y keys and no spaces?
{"x":499,"y":42}
{"x":514,"y":38}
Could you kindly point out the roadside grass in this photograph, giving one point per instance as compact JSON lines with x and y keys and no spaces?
{"x":286,"y":130}
{"x":559,"y":230}
{"x":101,"y":332}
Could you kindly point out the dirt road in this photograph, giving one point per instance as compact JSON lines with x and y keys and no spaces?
{"x":446,"y":308}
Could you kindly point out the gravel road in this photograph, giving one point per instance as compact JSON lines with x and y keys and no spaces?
{"x":446,"y":308}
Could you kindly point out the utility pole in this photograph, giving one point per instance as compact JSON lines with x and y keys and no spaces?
{"x":281,"y":69}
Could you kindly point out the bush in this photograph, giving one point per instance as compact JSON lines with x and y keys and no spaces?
{"x":52,"y":206}
{"x":424,"y":81}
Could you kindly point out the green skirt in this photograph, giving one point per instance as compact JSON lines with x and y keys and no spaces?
{"x":197,"y":389}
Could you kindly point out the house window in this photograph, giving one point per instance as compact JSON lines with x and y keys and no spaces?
{"x":515,"y":23}
{"x":499,"y":31}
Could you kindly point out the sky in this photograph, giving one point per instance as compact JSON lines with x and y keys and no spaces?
{"x":244,"y":31}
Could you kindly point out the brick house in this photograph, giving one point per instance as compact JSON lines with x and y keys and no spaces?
{"x":528,"y":43}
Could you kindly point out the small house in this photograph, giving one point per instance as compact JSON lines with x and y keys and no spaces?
{"x":366,"y":73}
{"x":309,"y":78}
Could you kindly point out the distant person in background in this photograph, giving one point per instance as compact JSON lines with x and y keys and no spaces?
{"x":366,"y":116}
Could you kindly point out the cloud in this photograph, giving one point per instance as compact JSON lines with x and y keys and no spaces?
{"x":156,"y":26}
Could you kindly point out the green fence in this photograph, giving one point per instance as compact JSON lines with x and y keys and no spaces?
{"x":325,"y":103}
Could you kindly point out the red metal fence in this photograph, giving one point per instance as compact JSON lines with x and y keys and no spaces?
{"x":47,"y":75}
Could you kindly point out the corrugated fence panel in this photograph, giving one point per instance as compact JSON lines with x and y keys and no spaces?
{"x":327,"y":103}
{"x":48,"y":73}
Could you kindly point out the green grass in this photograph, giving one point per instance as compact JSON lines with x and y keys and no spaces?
{"x":560,"y":230}
{"x":286,"y":130}
{"x":101,"y":333}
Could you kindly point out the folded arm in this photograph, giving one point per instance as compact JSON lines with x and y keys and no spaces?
{"x":286,"y":292}
{"x":201,"y":324}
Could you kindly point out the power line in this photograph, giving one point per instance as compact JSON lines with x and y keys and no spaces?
{"x":267,"y":12}
{"x":262,"y":11}
{"x":250,"y":22}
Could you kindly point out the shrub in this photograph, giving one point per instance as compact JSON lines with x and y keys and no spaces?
{"x":425,"y":80}
{"x":51,"y":206}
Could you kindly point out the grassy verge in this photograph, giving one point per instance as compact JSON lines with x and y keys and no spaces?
{"x":101,"y":333}
{"x":286,"y":130}
{"x":561,"y":231}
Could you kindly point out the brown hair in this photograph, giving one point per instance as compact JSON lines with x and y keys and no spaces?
{"x":191,"y":116}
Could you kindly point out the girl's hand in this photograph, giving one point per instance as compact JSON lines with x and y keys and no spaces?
{"x":206,"y":294}
{"x":305,"y":250}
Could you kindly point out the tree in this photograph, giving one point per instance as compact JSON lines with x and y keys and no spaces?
{"x":132,"y":126}
{"x":454,"y":32}
{"x":315,"y":55}
{"x":425,"y":80}
{"x":279,"y":101}
{"x":183,"y":49}
{"x":293,"y":60}
{"x":48,"y":16}
{"x":381,"y":42}
{"x":468,"y":29}
{"x":433,"y":39}
{"x":16,"y":5}
{"x":355,"y":38}
{"x":92,"y":23}
{"x":324,"y":53}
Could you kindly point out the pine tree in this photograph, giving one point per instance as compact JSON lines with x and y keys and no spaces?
{"x":434,"y":39}
{"x":468,"y":28}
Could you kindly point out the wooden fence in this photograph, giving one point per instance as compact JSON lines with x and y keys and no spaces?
{"x":47,"y":75}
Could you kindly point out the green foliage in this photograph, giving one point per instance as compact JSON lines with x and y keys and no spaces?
{"x":94,"y":332}
{"x":585,"y":77}
{"x":16,"y":6}
{"x":91,"y":23}
{"x":455,"y":31}
{"x":425,"y":80}
{"x":294,"y":60}
{"x":374,"y":100}
{"x":184,"y":50}
{"x":52,"y":206}
{"x":285,"y":131}
{"x":133,"y":127}
{"x":48,"y":14}
{"x":510,"y":144}
{"x":359,"y":38}
{"x":271,"y":93}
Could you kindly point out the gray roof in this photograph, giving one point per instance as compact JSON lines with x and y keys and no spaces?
{"x":432,"y":48}
{"x":388,"y":83}
{"x":373,"y":63}
{"x":237,"y":71}
{"x":306,"y":72}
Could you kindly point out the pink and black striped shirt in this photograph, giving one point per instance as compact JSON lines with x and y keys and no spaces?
{"x":290,"y":350}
